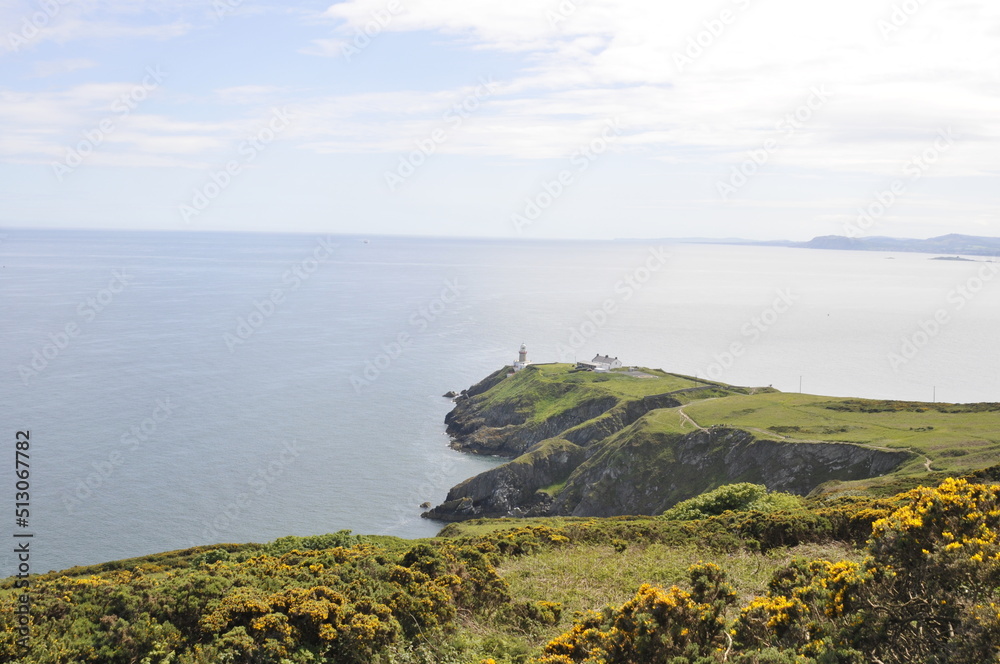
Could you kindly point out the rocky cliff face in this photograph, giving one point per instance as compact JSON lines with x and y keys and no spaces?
{"x":503,"y":429}
{"x":642,"y":472}
{"x":647,"y":472}
{"x":601,"y":457}
{"x":512,"y":489}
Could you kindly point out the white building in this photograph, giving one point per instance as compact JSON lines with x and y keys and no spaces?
{"x":522,"y":358}
{"x":608,"y":362}
{"x":600,"y":363}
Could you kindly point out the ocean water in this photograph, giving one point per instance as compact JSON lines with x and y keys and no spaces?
{"x":193,"y":388}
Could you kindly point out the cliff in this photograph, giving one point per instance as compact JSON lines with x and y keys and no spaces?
{"x":585,"y":444}
{"x":644,"y":471}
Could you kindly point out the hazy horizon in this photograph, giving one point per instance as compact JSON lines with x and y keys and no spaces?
{"x":687,"y":239}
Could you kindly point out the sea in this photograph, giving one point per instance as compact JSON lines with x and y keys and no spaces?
{"x":180,"y":389}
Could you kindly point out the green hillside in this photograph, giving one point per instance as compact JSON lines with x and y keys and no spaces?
{"x":954,"y":437}
{"x":545,"y":390}
{"x":634,"y":442}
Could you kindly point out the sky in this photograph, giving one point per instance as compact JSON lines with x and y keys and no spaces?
{"x":575,"y":119}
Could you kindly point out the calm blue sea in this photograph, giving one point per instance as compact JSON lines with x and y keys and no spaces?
{"x":193,"y":388}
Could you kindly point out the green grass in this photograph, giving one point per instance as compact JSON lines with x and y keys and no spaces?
{"x":585,"y":577}
{"x":554,"y":489}
{"x":543,"y":391}
{"x":964,"y":439}
{"x":949,"y":439}
{"x":588,"y":577}
{"x":666,"y":420}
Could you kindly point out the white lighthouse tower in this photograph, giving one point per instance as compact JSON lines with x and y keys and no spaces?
{"x":522,"y":358}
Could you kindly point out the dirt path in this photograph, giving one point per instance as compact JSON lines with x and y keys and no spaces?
{"x":927,"y":461}
{"x":687,"y":418}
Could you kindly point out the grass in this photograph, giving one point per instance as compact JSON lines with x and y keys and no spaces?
{"x":941,"y":439}
{"x":608,"y":565}
{"x":554,"y":489}
{"x":588,"y":577}
{"x":954,"y":438}
{"x":585,"y":577}
{"x":666,"y":420}
{"x":543,"y":391}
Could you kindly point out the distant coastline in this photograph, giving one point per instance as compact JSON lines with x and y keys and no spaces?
{"x":952,"y":245}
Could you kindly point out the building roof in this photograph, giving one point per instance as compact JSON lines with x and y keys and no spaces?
{"x":603,"y":359}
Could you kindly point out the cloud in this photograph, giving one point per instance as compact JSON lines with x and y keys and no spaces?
{"x":31,"y":24}
{"x":51,"y":124}
{"x":705,"y":83}
{"x":689,"y":83}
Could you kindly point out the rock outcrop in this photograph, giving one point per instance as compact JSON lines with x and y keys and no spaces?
{"x":513,"y":489}
{"x":646,"y":472}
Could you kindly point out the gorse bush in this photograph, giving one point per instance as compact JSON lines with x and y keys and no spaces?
{"x":341,"y":538}
{"x":655,"y":627}
{"x":349,"y":605}
{"x":744,"y":497}
{"x":924,"y":588}
{"x":927,"y":591}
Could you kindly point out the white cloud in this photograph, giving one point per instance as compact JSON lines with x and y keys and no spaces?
{"x":686,"y":77}
{"x":53,"y":123}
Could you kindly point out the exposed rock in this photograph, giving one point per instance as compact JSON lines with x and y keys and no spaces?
{"x":450,"y":394}
{"x":504,"y":430}
{"x":512,"y":489}
{"x":647,"y":472}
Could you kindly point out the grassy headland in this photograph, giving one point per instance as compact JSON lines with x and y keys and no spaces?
{"x":665,"y":437}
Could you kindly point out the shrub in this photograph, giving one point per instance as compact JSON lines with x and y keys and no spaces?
{"x":927,"y":592}
{"x":341,"y":538}
{"x":656,"y":626}
{"x":741,"y":497}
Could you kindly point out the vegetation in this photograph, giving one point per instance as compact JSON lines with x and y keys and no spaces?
{"x":600,"y":444}
{"x":544,"y":390}
{"x":742,"y":497}
{"x":949,"y":437}
{"x":926,"y":591}
{"x":909,"y":578}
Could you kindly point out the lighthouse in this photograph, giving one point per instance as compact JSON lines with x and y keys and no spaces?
{"x":522,"y":358}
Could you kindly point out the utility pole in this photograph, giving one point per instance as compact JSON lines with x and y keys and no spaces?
{"x":800,"y":384}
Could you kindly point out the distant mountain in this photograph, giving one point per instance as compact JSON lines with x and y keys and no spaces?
{"x":945,"y":244}
{"x":952,"y":244}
